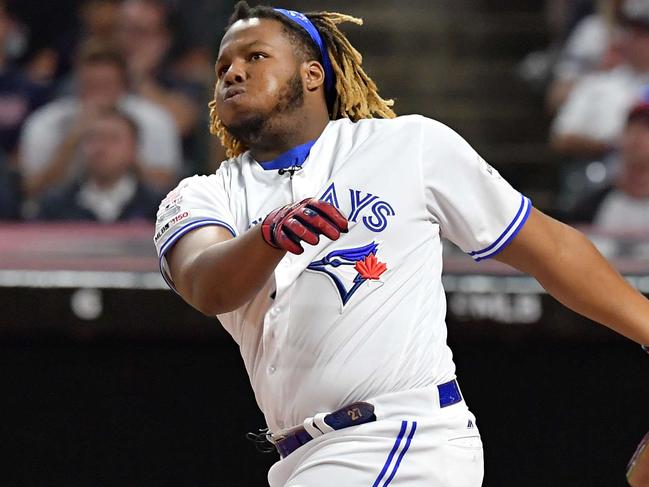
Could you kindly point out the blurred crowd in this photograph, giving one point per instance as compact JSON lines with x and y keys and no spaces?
{"x":597,"y":92}
{"x":103,"y":104}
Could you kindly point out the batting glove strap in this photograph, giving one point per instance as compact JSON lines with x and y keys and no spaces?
{"x":269,"y":225}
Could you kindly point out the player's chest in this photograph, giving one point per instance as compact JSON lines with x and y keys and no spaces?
{"x":373,"y":200}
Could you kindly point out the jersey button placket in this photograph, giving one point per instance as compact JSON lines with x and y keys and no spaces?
{"x":300,"y":187}
{"x":273,"y":317}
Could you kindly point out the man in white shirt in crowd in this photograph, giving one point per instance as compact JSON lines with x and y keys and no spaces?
{"x":624,"y":205}
{"x":49,"y":148}
{"x":109,"y":188}
{"x":592,"y":119}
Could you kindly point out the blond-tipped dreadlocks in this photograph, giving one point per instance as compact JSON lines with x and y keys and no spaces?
{"x":356,"y":95}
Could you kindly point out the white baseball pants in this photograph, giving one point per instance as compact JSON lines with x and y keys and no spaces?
{"x":413,"y":443}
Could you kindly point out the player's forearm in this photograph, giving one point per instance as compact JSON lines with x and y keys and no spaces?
{"x":584,"y":281}
{"x":225,"y":276}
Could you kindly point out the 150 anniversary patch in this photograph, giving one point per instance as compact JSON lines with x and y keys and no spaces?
{"x":165,"y":228}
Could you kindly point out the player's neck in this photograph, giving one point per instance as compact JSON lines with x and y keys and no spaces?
{"x":275,"y":144}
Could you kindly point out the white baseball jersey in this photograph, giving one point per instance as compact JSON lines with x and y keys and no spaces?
{"x":364,"y":315}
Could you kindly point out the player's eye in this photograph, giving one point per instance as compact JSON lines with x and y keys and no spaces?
{"x":256,"y":56}
{"x":221,"y":71}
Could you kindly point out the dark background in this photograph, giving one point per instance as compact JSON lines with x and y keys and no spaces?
{"x":161,"y":398}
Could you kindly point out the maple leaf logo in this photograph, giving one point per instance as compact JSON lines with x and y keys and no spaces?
{"x":370,"y":267}
{"x":340,"y":264}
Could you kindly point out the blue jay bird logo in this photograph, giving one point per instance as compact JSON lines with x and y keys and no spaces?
{"x":362,"y":259}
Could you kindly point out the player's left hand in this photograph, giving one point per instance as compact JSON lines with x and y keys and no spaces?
{"x":286,"y":227}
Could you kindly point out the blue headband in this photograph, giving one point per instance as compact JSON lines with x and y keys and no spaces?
{"x":302,"y":20}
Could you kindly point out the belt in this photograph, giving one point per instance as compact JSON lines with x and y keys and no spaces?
{"x":353,"y":415}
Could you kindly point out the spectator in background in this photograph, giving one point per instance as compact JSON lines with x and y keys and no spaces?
{"x":590,"y":123}
{"x":49,"y":147}
{"x":587,"y":49}
{"x":109,"y":188}
{"x":99,"y":20}
{"x":18,"y":95}
{"x":9,"y":191}
{"x":199,"y":26}
{"x":144,"y":35}
{"x":624,"y":205}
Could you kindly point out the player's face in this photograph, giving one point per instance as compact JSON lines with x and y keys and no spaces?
{"x":258,"y":75}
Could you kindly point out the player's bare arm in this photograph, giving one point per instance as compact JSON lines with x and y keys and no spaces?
{"x":573,"y":271}
{"x":216,"y":273}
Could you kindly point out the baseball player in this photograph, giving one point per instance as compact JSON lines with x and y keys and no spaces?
{"x":318,"y":246}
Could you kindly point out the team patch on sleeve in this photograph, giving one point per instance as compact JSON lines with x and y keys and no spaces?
{"x":196,"y":202}
{"x":173,"y":220}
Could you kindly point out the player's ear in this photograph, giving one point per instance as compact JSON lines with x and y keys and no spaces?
{"x":313,"y":75}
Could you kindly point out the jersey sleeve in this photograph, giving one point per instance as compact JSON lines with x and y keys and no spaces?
{"x":196,"y":202}
{"x":474,"y":206}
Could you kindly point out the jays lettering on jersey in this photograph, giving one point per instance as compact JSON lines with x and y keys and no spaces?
{"x":364,"y":315}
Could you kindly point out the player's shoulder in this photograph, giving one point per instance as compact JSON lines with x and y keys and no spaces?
{"x":412,"y":132}
{"x":414,"y":125}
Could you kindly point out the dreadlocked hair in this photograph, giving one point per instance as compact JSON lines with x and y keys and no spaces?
{"x":356,"y":95}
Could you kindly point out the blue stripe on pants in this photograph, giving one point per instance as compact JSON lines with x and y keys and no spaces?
{"x":401,"y":455}
{"x":394,"y":450}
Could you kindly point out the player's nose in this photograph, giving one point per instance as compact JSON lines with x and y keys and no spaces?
{"x":235,"y":74}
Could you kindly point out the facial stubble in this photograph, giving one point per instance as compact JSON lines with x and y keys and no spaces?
{"x":261,"y":127}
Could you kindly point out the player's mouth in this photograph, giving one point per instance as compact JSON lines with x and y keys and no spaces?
{"x":233,"y":94}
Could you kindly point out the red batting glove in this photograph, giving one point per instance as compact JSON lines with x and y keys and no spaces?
{"x":305,"y":221}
